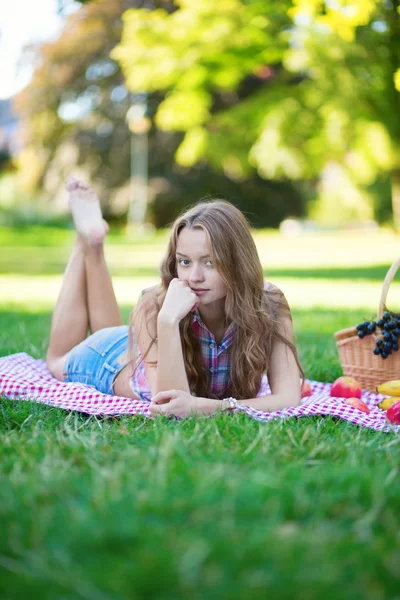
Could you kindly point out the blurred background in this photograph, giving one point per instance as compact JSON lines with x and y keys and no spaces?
{"x":290,"y":109}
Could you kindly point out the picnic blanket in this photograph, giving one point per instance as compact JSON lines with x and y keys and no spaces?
{"x":24,"y":378}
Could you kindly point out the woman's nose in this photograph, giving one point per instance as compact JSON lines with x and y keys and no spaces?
{"x":196,"y":274}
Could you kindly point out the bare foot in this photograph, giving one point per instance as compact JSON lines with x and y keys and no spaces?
{"x":86,"y":211}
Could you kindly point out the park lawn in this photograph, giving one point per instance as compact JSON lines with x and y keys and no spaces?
{"x":224,"y":507}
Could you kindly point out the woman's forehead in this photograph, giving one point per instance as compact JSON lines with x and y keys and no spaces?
{"x":192,"y":241}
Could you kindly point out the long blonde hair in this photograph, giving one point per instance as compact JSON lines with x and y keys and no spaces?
{"x":256,"y":312}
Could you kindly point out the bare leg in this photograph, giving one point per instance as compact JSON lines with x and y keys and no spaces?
{"x":86,"y":299}
{"x":70,"y":319}
{"x":103,"y":309}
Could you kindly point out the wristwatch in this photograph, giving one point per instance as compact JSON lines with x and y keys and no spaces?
{"x":232,"y":403}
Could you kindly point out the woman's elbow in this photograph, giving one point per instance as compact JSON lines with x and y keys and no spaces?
{"x":291,"y":400}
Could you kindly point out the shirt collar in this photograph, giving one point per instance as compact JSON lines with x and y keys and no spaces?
{"x":229,"y":333}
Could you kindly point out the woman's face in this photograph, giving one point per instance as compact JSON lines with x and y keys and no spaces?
{"x":195,"y":266}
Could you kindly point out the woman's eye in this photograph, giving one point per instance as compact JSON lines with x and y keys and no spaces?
{"x":184,"y":262}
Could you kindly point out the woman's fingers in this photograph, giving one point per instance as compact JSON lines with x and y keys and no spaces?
{"x":179,"y":300}
{"x":163,"y":397}
{"x":162,"y":409}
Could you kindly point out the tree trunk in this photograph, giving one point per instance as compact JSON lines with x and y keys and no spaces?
{"x":396,"y":199}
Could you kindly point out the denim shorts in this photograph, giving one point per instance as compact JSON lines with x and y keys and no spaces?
{"x":97,"y":360}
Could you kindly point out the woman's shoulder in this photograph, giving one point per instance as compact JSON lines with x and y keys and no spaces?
{"x":278,"y":298}
{"x":272,"y":289}
{"x":150,"y":291}
{"x":148,"y":301}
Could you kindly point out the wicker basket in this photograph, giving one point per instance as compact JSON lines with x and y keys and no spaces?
{"x":356,"y":355}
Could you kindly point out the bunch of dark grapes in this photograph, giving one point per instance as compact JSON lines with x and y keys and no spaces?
{"x":390,"y":333}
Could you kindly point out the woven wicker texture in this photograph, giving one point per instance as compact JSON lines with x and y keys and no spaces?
{"x":356,"y":355}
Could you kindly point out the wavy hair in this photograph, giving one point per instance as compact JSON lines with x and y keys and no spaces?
{"x":255,"y":311}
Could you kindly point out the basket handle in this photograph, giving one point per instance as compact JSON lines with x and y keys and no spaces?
{"x":386,"y":284}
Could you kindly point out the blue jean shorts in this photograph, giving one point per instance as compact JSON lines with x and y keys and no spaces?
{"x":97,"y":360}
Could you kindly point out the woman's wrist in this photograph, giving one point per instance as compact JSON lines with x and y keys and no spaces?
{"x":210,"y":406}
{"x":164,"y":320}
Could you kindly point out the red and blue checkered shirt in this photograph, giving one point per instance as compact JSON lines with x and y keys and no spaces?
{"x":216,"y":359}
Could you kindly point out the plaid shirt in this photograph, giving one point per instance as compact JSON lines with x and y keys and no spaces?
{"x":216,"y":359}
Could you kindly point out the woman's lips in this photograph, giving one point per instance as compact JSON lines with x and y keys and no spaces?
{"x":199,"y":292}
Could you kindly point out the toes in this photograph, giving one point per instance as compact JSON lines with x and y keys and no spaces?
{"x":87,"y":193}
{"x":71,"y":184}
{"x":83,"y":186}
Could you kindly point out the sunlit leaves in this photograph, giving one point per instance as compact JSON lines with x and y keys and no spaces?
{"x":183,"y":110}
{"x":351,"y":77}
{"x":208,"y":48}
{"x":30,"y":164}
{"x":277,"y":87}
{"x":372,"y":152}
{"x":274,"y":158}
{"x":193,"y":147}
{"x":341,"y":17}
{"x":201,"y":49}
{"x":396,"y":79}
{"x":222,"y":41}
{"x":340,"y":200}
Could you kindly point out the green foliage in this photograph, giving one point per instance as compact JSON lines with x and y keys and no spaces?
{"x":74,"y":116}
{"x":199,"y":56}
{"x":284,"y":89}
{"x":202,"y":47}
{"x":5,"y":159}
{"x":350,"y":84}
{"x":380,"y":191}
{"x":241,"y":87}
{"x":73,"y":111}
{"x":265,"y":203}
{"x":341,"y":17}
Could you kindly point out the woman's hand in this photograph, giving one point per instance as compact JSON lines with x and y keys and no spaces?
{"x":179,"y":300}
{"x":181,"y":404}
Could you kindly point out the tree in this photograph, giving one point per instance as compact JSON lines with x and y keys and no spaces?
{"x":209,"y":60}
{"x":350,"y":52}
{"x":278,"y":87}
{"x":73,"y":111}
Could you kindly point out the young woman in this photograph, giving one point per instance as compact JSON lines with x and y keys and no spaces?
{"x":210,"y":336}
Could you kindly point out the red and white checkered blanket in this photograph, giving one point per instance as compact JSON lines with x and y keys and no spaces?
{"x":24,"y":378}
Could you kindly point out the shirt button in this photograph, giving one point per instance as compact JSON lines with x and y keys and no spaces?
{"x":212,"y":345}
{"x":212,"y":369}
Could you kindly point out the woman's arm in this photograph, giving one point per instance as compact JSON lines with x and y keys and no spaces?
{"x":182,"y":404}
{"x":283,"y":371}
{"x":164,"y":364}
{"x":283,"y":377}
{"x":178,"y":302}
{"x":171,"y":371}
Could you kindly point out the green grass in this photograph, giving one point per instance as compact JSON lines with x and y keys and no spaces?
{"x":226,"y":507}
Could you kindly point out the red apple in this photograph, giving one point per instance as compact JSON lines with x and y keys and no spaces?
{"x":393,"y":413}
{"x":346,"y":387}
{"x":306,"y":390}
{"x":357,"y":403}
